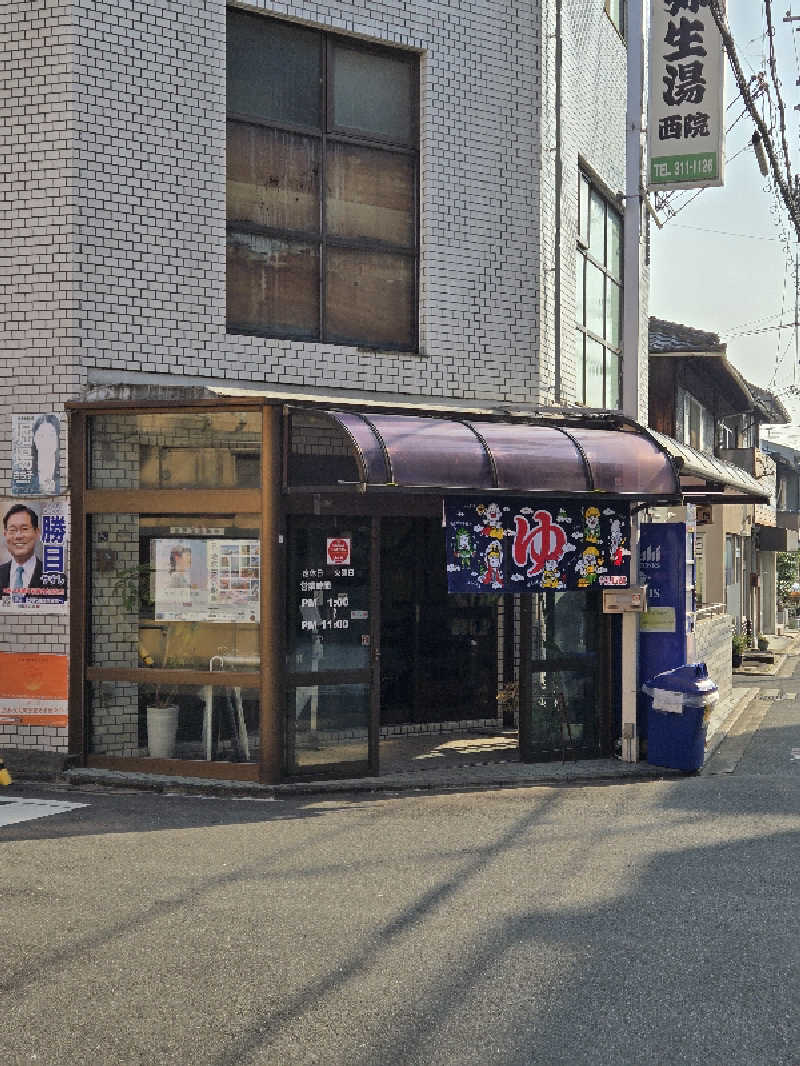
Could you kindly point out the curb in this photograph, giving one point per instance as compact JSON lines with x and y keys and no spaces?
{"x":465,"y":781}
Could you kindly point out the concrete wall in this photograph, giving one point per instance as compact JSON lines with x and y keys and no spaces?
{"x":713,"y":636}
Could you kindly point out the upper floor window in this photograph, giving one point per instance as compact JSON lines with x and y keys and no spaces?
{"x":615,"y":9}
{"x":598,"y":299}
{"x":322,"y":186}
{"x":695,"y":424}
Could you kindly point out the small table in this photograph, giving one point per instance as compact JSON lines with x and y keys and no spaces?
{"x":208,"y":694}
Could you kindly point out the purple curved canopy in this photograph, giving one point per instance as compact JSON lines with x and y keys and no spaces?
{"x":413,"y":452}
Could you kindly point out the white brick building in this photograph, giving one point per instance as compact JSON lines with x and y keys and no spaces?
{"x":114,"y":215}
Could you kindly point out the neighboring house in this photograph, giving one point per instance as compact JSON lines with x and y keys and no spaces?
{"x":698,"y":397}
{"x":785,"y":537}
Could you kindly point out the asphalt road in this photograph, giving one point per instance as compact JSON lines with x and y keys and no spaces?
{"x":629,"y":923}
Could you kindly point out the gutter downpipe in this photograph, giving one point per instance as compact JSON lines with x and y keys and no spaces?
{"x":634,"y":35}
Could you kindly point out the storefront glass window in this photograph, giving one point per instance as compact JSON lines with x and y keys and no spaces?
{"x":208,"y":722}
{"x":184,"y":449}
{"x":327,"y":725}
{"x":175,"y":592}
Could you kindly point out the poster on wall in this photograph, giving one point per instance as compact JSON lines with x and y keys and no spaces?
{"x":35,"y":454}
{"x":519,"y":545}
{"x":33,"y":556}
{"x":206,"y":580}
{"x":33,"y":689}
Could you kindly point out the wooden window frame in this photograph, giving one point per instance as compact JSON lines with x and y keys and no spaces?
{"x":328,"y":134}
{"x":265,"y":502}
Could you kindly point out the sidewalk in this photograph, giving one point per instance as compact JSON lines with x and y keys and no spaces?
{"x":472,"y":775}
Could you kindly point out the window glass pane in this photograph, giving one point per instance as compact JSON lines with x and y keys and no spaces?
{"x":327,"y":725}
{"x":613,"y":313}
{"x":212,"y":449}
{"x":373,"y":93}
{"x":370,"y":193}
{"x":615,"y":10}
{"x":273,"y":178}
{"x":583,"y":209}
{"x":273,"y":285}
{"x":579,"y":270}
{"x":172,"y":592}
{"x":370,"y":297}
{"x":612,"y":380}
{"x":274,"y":70}
{"x":614,"y":244}
{"x":597,"y":226}
{"x":127,"y":720}
{"x":580,"y":395}
{"x":329,"y":603}
{"x":595,"y":316}
{"x":594,"y":373}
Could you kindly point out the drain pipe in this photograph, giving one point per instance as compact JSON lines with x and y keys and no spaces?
{"x":630,"y":345}
{"x":558,"y":196}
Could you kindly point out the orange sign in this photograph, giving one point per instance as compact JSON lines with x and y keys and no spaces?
{"x":33,"y":689}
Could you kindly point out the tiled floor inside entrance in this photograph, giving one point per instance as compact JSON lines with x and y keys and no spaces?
{"x":434,"y":751}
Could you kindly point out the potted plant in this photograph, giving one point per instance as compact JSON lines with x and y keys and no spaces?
{"x":763,"y":643}
{"x":738,"y":645}
{"x":508,"y":701}
{"x":132,"y":584}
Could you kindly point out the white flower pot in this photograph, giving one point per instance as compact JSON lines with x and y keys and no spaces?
{"x":162,"y":725}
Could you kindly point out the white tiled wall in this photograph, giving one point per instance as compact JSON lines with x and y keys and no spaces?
{"x":114,"y":209}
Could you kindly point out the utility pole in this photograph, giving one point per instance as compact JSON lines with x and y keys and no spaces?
{"x":631,"y":343}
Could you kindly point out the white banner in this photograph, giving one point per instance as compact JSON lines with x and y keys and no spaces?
{"x":685,"y":130}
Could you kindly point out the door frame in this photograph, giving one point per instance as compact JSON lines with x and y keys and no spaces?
{"x":527,"y":665}
{"x":369,"y":674}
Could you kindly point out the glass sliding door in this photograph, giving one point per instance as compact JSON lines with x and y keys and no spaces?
{"x":331,"y":706}
{"x":563,"y":697}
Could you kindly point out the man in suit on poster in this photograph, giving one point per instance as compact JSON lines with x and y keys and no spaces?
{"x":24,"y":569}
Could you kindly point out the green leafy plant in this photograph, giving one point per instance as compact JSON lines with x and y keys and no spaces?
{"x":132,"y":586}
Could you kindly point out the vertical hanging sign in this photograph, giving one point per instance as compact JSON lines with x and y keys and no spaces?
{"x":685,"y":133}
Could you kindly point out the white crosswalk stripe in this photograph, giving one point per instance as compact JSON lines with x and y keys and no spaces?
{"x":14,"y":810}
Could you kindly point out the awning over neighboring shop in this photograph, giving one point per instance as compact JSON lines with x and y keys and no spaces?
{"x":416,"y":453}
{"x":706,"y":479}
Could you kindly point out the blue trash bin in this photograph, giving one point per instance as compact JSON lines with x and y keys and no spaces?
{"x":680,"y":705}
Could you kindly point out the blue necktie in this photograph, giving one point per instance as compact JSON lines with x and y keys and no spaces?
{"x":18,"y":578}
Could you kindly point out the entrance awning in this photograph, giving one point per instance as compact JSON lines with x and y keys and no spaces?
{"x":415,"y":453}
{"x":706,"y":479}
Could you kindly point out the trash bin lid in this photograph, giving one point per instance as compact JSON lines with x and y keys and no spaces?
{"x":690,"y":683}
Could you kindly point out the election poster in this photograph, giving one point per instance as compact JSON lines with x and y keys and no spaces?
{"x":34,"y":556}
{"x":36,"y":454}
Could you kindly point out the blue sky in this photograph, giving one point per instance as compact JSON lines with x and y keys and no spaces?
{"x":721,"y":263}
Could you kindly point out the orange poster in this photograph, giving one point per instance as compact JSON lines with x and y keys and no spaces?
{"x":33,"y":689}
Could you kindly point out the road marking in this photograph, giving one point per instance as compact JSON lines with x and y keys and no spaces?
{"x":13,"y":810}
{"x":796,"y":753}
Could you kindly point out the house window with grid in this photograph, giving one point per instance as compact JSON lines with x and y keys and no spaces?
{"x":598,"y":299}
{"x":321,"y":186}
{"x":615,"y":9}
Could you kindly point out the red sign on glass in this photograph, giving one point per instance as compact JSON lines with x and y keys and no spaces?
{"x":338,"y":551}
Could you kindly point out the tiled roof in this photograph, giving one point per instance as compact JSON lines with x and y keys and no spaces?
{"x":769,"y":405}
{"x":665,"y":337}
